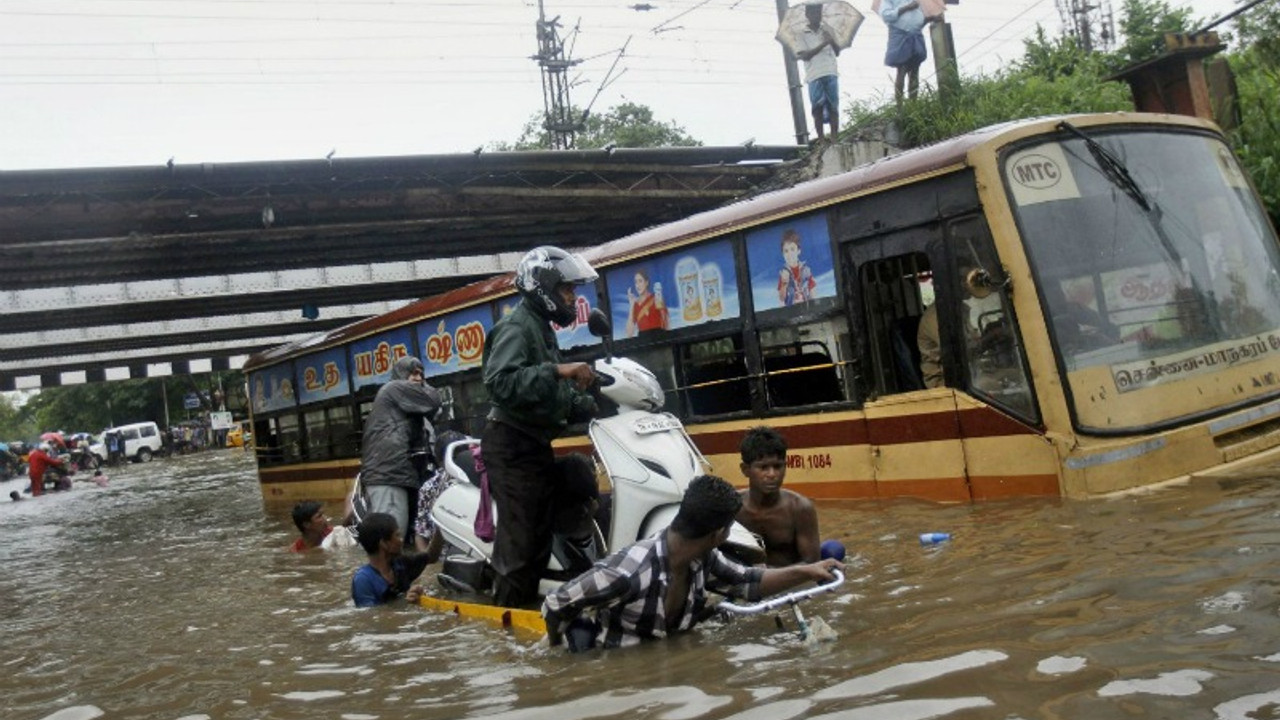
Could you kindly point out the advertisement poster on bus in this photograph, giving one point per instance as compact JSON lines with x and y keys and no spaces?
{"x":691,"y":287}
{"x":272,"y":389}
{"x":454,"y":342}
{"x":790,"y":263}
{"x":372,"y":357}
{"x":322,"y":376}
{"x":573,"y":335}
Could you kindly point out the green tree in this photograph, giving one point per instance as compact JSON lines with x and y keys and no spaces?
{"x":94,"y":406}
{"x":1052,"y":58}
{"x":1143,"y":24}
{"x":1258,"y":29}
{"x":1054,"y":77}
{"x":15,"y":424}
{"x":1256,"y":65}
{"x":628,"y":125}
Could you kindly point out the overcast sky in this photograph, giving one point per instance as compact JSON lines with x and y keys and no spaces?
{"x":135,"y":82}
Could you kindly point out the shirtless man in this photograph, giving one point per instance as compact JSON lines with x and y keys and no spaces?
{"x":786,"y":520}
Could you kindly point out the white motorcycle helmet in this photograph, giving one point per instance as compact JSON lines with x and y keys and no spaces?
{"x":541,"y":270}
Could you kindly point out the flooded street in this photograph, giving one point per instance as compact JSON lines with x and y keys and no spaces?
{"x":168,"y":594}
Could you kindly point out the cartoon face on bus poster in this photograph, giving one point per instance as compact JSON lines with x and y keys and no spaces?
{"x":322,"y":376}
{"x":272,"y":389}
{"x":790,"y":263}
{"x":373,"y":357}
{"x":682,"y":289}
{"x":573,"y":335}
{"x":454,"y":342}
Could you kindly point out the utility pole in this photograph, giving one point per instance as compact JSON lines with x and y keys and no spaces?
{"x":794,"y":87}
{"x":946,"y":67}
{"x":1091,"y":23}
{"x":558,"y":119}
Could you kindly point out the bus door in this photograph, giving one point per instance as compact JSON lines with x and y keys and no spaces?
{"x":913,"y":430}
{"x":1006,"y":452}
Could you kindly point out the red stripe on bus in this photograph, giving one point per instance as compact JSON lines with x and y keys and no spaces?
{"x":1000,"y":488}
{"x":952,"y":489}
{"x":822,"y":434}
{"x":922,"y":427}
{"x":925,"y":427}
{"x":988,"y":422}
{"x":269,"y":476}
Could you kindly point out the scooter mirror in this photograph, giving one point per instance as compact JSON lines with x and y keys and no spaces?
{"x":598,"y":323}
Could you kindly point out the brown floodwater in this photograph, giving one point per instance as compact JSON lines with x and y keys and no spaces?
{"x":168,"y":594}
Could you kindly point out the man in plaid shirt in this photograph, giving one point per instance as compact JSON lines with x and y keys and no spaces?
{"x":658,"y":586}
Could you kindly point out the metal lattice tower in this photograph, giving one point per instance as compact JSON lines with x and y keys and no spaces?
{"x":1089,"y":21}
{"x":558,"y":118}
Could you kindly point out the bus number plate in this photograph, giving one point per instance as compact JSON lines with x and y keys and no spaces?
{"x":655,"y":424}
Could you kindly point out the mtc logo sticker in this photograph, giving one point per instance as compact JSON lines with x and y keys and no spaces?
{"x":1040,"y":174}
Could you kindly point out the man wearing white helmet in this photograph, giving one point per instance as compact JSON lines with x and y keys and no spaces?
{"x":534,"y":397}
{"x":42,"y":464}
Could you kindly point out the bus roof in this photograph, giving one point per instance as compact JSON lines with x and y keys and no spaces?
{"x":946,"y":155}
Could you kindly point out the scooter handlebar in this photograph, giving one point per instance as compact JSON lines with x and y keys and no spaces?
{"x":783,"y":600}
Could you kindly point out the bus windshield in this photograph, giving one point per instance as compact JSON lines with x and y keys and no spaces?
{"x":1156,"y":270}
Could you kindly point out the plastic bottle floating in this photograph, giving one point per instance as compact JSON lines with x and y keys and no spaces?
{"x":934,"y":538}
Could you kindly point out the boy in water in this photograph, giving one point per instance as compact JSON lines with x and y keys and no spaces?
{"x":389,"y":573}
{"x":786,"y":520}
{"x":313,"y":526}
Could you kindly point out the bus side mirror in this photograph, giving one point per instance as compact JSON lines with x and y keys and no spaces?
{"x":598,"y":324}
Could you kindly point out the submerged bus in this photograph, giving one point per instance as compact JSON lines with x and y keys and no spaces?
{"x":1105,"y":290}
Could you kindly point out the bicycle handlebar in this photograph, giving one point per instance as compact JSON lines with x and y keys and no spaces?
{"x":783,"y":600}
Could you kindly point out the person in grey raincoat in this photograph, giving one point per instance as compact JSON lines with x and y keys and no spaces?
{"x":534,"y":396}
{"x":397,"y":427}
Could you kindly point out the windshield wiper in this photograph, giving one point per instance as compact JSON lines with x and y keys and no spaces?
{"x":1114,"y":169}
{"x":1111,"y":166}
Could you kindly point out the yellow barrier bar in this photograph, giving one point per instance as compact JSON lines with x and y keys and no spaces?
{"x":527,"y":620}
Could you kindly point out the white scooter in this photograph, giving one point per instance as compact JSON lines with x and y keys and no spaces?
{"x":646,"y":454}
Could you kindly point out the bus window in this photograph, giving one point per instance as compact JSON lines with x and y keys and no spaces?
{"x":264,"y":442}
{"x":985,"y":321}
{"x":659,"y":361}
{"x":317,"y":433}
{"x":343,"y":439}
{"x":894,"y":292}
{"x":715,"y":376}
{"x":803,"y":364}
{"x":466,"y":405}
{"x":289,"y":438}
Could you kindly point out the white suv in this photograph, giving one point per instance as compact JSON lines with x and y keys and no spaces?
{"x":140,"y":441}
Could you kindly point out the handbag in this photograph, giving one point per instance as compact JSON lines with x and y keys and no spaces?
{"x":484,"y":514}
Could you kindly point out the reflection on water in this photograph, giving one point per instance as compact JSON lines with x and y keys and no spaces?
{"x":168,"y":594}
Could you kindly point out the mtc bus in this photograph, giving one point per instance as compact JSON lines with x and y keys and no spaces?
{"x":1106,"y":291}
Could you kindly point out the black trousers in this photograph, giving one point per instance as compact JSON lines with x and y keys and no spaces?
{"x":524,"y":482}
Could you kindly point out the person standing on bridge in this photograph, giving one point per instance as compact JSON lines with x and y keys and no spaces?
{"x":534,"y":397}
{"x":397,"y":436}
{"x":821,"y":71}
{"x":907,"y":50}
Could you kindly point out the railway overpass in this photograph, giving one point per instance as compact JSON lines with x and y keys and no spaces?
{"x":116,"y":273}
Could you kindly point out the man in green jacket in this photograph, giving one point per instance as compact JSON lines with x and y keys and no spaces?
{"x":534,"y":397}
